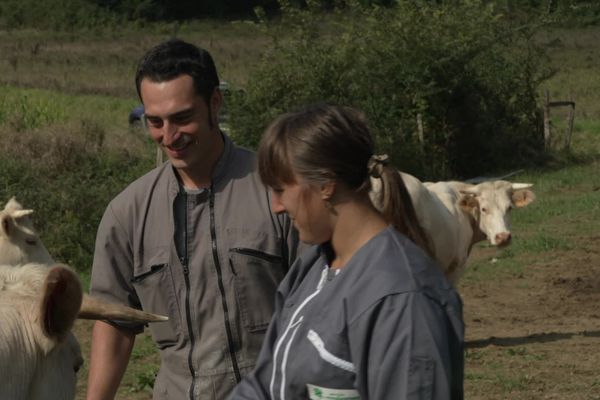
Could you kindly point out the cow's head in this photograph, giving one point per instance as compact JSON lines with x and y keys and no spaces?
{"x":19,"y":242}
{"x":490,"y":204}
{"x":39,"y":356}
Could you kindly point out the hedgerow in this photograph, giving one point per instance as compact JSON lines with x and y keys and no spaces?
{"x":462,"y":71}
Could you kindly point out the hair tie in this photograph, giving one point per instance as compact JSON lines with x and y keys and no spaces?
{"x":376,"y":164}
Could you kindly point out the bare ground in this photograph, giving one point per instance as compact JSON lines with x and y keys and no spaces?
{"x":535,"y":334}
{"x":531,"y":334}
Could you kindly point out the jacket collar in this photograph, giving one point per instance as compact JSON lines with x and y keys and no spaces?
{"x":219,"y":172}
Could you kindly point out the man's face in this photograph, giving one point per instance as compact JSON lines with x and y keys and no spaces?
{"x":181,"y":121}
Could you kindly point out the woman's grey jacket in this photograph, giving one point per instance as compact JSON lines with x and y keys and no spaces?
{"x":387,"y":326}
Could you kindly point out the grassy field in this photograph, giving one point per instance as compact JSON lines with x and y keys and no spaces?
{"x":530,"y":310}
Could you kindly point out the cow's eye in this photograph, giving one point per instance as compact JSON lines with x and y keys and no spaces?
{"x":483,"y":209}
{"x":31,"y":242}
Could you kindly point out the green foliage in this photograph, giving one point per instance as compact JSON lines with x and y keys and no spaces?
{"x":465,"y":72}
{"x":561,"y":12}
{"x":67,"y":174}
{"x":145,"y":379}
{"x":60,"y":15}
{"x":22,"y":111}
{"x":144,"y":366}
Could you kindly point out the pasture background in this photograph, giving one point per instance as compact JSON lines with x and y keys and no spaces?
{"x":531,"y":313}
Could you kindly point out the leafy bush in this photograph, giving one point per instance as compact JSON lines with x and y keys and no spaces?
{"x":60,"y":15}
{"x":68,"y":174}
{"x":567,"y":13}
{"x":462,"y":70}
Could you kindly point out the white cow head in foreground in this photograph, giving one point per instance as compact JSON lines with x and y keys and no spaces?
{"x":490,"y":203}
{"x":19,"y":242}
{"x":39,"y":356}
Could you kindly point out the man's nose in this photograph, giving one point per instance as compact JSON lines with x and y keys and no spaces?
{"x":169,"y":133}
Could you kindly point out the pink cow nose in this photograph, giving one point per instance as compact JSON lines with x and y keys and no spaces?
{"x":503,"y":239}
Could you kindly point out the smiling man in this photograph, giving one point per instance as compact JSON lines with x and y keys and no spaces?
{"x":193,"y":239}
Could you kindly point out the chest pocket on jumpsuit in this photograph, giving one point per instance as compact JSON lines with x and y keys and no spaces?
{"x":155,"y":288}
{"x":257,"y":274}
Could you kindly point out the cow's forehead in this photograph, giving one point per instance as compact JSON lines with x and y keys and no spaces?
{"x":494,"y":193}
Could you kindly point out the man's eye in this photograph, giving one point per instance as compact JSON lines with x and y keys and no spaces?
{"x":154,"y":122}
{"x":182,"y":119}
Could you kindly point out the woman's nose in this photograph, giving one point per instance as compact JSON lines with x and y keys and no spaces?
{"x":276,"y":205}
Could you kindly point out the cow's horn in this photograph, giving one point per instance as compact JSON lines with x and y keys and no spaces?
{"x":92,"y":308}
{"x":20,"y":213}
{"x":517,"y":186}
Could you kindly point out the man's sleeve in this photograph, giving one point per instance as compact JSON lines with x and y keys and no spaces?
{"x":405,"y":347}
{"x":112,"y":269}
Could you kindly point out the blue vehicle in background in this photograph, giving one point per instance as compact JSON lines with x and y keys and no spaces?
{"x":136,"y":115}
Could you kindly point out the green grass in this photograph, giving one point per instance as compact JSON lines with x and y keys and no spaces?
{"x":103,"y":63}
{"x":141,"y":377}
{"x":566,"y":210}
{"x":30,"y":109}
{"x":75,"y":91}
{"x":575,"y":55}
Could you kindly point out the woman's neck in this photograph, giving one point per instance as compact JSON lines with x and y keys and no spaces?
{"x":356,"y":224}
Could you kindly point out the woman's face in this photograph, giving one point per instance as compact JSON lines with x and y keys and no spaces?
{"x":305,"y":205}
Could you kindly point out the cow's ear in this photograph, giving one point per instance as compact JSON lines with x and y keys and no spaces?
{"x":468,"y":202}
{"x":521,"y":198}
{"x":12,"y":205}
{"x":6,"y":225}
{"x":60,"y":302}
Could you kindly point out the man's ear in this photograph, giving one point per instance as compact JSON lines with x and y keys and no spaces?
{"x":216,"y":101}
{"x":328,"y":190}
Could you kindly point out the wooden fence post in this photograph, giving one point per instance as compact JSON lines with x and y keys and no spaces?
{"x":420,"y":133}
{"x":569,"y":132}
{"x":547,"y":120}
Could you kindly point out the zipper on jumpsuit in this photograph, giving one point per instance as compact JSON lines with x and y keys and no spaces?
{"x":188,"y":316}
{"x":213,"y":234}
{"x":292,"y":326}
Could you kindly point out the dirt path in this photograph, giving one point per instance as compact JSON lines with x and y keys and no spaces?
{"x":536,"y":334}
{"x":531,"y":334}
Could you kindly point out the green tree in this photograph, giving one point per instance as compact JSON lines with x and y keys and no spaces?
{"x":461,"y":71}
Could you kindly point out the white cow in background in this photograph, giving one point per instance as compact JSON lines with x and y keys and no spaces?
{"x":39,"y":356}
{"x":19,"y":242}
{"x":456,"y":215}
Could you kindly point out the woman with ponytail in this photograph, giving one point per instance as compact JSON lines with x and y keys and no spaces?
{"x":364,"y":313}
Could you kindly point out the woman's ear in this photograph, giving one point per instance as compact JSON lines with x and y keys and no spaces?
{"x":327,"y":190}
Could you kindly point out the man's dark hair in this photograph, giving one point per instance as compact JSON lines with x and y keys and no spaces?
{"x":175,"y":57}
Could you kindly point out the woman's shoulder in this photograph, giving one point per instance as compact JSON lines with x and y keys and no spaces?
{"x":393,"y":265}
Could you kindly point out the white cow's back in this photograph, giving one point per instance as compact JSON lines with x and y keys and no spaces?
{"x":447,"y":226}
